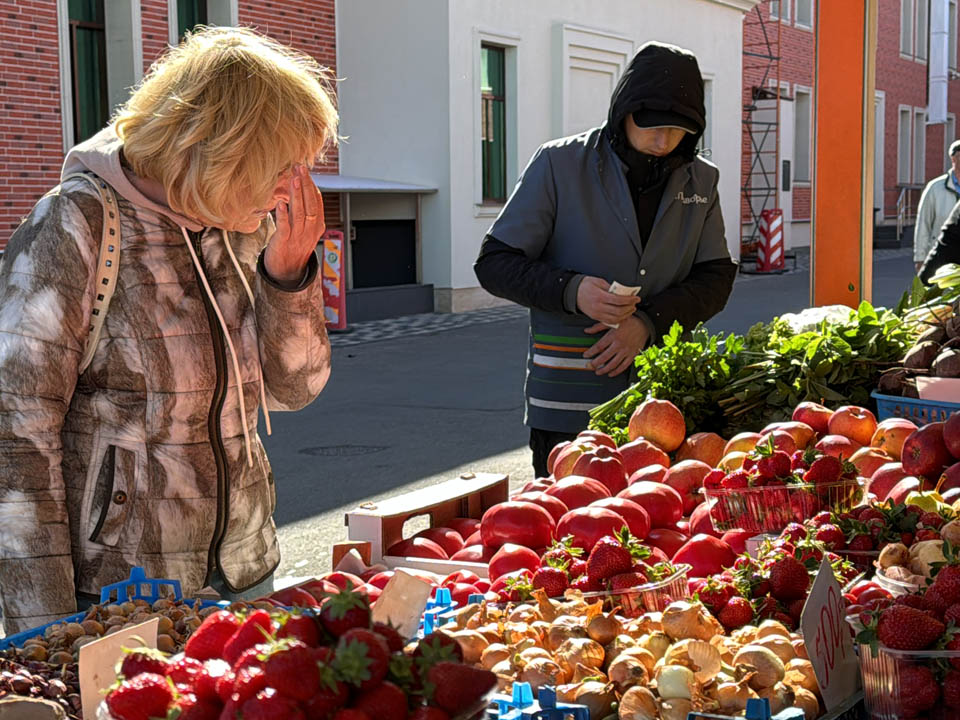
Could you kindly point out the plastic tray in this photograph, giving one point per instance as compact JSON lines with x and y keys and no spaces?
{"x":770,"y":508}
{"x":651,"y":597}
{"x":882,"y":688}
{"x":919,"y":411}
{"x":894,"y":587}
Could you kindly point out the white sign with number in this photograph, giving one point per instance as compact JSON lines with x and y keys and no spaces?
{"x":827,"y":636}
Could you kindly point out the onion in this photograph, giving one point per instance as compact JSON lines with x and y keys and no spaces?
{"x":524,"y":613}
{"x":781,"y":647}
{"x":675,"y":681}
{"x":514,"y":632}
{"x":745,"y":635}
{"x":799,"y":673}
{"x":645,"y":657}
{"x":656,"y":643}
{"x":490,"y":632}
{"x":562,"y":629}
{"x":493,"y":654}
{"x":682,"y":620}
{"x":534,"y":652}
{"x":597,"y":697}
{"x":646,"y":623}
{"x":603,"y":628}
{"x":766,"y":667}
{"x":539,"y":672}
{"x":504,"y":667}
{"x":800,"y":648}
{"x":579,"y":651}
{"x":617,"y":646}
{"x":772,"y":627}
{"x":471,"y":643}
{"x":638,"y":703}
{"x":701,"y":657}
{"x":675,"y":709}
{"x":806,"y":701}
{"x":733,"y":697}
{"x":780,"y":697}
{"x":627,"y":671}
{"x":582,"y":674}
{"x":568,"y":692}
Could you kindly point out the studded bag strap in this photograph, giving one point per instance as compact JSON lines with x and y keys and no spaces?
{"x":108,"y":264}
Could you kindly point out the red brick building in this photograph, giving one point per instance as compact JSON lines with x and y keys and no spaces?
{"x":910,"y":151}
{"x":65,"y":63}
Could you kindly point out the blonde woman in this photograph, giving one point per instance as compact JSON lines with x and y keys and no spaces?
{"x":150,"y":456}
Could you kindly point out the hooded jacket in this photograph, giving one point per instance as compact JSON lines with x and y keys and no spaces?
{"x":574,"y":213}
{"x":144,"y":459}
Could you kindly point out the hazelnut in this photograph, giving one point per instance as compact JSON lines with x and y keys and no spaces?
{"x":92,"y":627}
{"x":166,"y":644}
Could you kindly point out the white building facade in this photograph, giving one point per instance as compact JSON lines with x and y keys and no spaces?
{"x":456,"y":95}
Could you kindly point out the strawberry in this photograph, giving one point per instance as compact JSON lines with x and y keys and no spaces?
{"x":713,"y":480}
{"x":562,"y":551}
{"x":586,"y":584}
{"x":794,"y":532}
{"x":363,"y":658}
{"x":715,"y":594}
{"x":931,"y":520}
{"x":189,"y":707}
{"x":736,"y":480}
{"x":251,"y":657}
{"x":905,"y":628}
{"x":552,"y":580}
{"x":208,"y":640}
{"x":291,"y":668}
{"x":385,"y":702}
{"x":625,"y":581}
{"x":821,"y":518}
{"x":907,"y":538}
{"x":831,"y":536}
{"x":948,"y":580}
{"x":952,"y":615}
{"x":798,"y":461}
{"x":919,"y":690}
{"x":302,"y":627}
{"x":433,"y":649}
{"x":143,"y":660}
{"x":455,"y":687}
{"x":870,"y":513}
{"x":344,"y":611}
{"x":953,"y":644}
{"x":247,"y":683}
{"x":951,"y":689}
{"x":776,"y":465}
{"x":145,"y":696}
{"x":577,"y":568}
{"x":205,"y":681}
{"x":926,"y":534}
{"x":351,"y":714}
{"x":331,"y":696}
{"x":825,"y":469}
{"x":428,"y":712}
{"x":795,"y":610}
{"x":256,"y":628}
{"x":394,"y":640}
{"x":184,"y":671}
{"x":610,"y":556}
{"x":789,"y":579}
{"x":268,"y":704}
{"x":914,"y":601}
{"x":736,"y":613}
{"x":860,"y":543}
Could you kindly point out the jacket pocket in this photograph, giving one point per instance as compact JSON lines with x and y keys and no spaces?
{"x":112,"y":511}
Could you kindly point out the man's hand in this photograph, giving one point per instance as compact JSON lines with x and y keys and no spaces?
{"x":596,"y":302}
{"x":299,"y":229}
{"x":615,"y":351}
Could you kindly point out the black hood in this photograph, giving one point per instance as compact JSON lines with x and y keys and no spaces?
{"x":663,"y":78}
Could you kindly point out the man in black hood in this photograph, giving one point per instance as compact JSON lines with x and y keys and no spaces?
{"x":629,"y":202}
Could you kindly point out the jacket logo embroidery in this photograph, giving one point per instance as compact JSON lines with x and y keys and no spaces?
{"x":698,"y":199}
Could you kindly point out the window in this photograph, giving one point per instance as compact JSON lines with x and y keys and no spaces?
{"x":190,"y":13}
{"x":780,"y":9}
{"x":919,"y":146}
{"x":906,"y":27}
{"x":88,"y":49}
{"x":949,"y":135}
{"x":903,"y":146}
{"x":923,"y":30}
{"x":493,"y":122}
{"x":802,"y":119}
{"x":952,"y":34}
{"x":805,"y":13}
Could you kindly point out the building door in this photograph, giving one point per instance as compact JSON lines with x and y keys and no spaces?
{"x":879,"y":107}
{"x":787,"y":134}
{"x":384,"y":253}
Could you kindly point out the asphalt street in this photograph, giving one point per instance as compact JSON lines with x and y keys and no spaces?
{"x":409,"y":412}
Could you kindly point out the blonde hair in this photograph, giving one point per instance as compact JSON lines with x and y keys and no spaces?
{"x":219,"y":118}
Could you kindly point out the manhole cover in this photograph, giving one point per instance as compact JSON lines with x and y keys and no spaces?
{"x":342,"y":450}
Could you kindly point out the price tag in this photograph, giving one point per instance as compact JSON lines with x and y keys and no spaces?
{"x":402,"y":603}
{"x":827,"y":636}
{"x":98,"y":661}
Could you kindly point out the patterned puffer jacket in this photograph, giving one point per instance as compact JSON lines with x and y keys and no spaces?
{"x":145,"y":458}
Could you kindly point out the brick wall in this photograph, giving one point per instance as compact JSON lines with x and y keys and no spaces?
{"x":31,"y":139}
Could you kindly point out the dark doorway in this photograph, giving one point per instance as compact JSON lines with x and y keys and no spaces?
{"x":384,"y":253}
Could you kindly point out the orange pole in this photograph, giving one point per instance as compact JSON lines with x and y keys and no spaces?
{"x":841,"y":229}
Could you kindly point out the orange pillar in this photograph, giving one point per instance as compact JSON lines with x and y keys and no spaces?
{"x":841,"y":230}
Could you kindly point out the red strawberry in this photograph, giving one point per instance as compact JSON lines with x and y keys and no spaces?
{"x":147,"y":695}
{"x":902,"y":627}
{"x":552,"y":580}
{"x":907,"y":538}
{"x":144,"y":660}
{"x":951,"y":689}
{"x":184,"y":671}
{"x":822,"y":518}
{"x":455,"y":687}
{"x":954,"y":645}
{"x":363,"y":658}
{"x":926,"y":534}
{"x":919,"y":690}
{"x":715,"y":594}
{"x":825,"y":469}
{"x":914,"y":601}
{"x":608,"y":557}
{"x":268,"y":704}
{"x":625,"y":581}
{"x":870,"y":513}
{"x":931,"y":520}
{"x":428,"y":712}
{"x":190,"y":707}
{"x":300,"y":627}
{"x":385,"y":702}
{"x":208,"y":640}
{"x":736,"y":480}
{"x":776,"y":465}
{"x":332,"y":695}
{"x":788,"y":579}
{"x":784,"y":619}
{"x":736,"y":613}
{"x":561,"y":551}
{"x":247,"y":683}
{"x":586,"y":584}
{"x":948,"y":580}
{"x":250,"y":658}
{"x":794,"y":532}
{"x":257,"y":628}
{"x":344,"y":611}
{"x":831,"y":536}
{"x":952,"y":614}
{"x":798,"y":461}
{"x":795,"y":610}
{"x":577,"y":568}
{"x":205,"y":682}
{"x":291,"y":668}
{"x":713,"y":480}
{"x":394,"y":640}
{"x":860,"y":543}
{"x":351,"y":714}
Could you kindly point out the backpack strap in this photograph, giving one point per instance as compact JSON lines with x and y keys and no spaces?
{"x":108,"y":263}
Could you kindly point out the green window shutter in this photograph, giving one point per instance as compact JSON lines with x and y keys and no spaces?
{"x":493,"y":122}
{"x":190,"y":13}
{"x":88,"y":50}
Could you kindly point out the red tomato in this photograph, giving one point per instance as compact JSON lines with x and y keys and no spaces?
{"x":418,"y":547}
{"x":512,"y":557}
{"x":861,"y":586}
{"x":465,"y":526}
{"x":538,"y":485}
{"x":666,"y":539}
{"x":637,"y":518}
{"x":854,"y":609}
{"x":295,"y":597}
{"x":482,"y":585}
{"x":737,"y":539}
{"x":872,"y":593}
{"x":589,"y":524}
{"x":461,"y":592}
{"x":460,"y":576}
{"x":684,"y":527}
{"x":475,"y":553}
{"x":576,"y":491}
{"x":450,"y":540}
{"x":381,"y":579}
{"x":522,"y":523}
{"x":373,"y":592}
{"x":319,"y":588}
{"x":553,"y":505}
{"x":475,"y":539}
{"x":708,"y":555}
{"x":340,"y":579}
{"x":499,"y":587}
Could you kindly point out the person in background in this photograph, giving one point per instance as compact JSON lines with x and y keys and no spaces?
{"x":150,"y":456}
{"x":936,"y":202}
{"x":632,"y":202}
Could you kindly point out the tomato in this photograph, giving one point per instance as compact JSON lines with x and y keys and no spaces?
{"x":483,"y":585}
{"x":465,"y":526}
{"x":460,"y":576}
{"x":662,"y":503}
{"x":340,"y":579}
{"x":538,"y":485}
{"x":871,"y":593}
{"x":372,"y":592}
{"x":418,"y":547}
{"x":637,"y":518}
{"x":499,"y":587}
{"x":737,"y":539}
{"x":295,"y":597}
{"x":853,"y":610}
{"x":666,"y":539}
{"x":475,"y":554}
{"x":522,"y":523}
{"x":589,"y":524}
{"x":708,"y":555}
{"x":862,"y":586}
{"x":553,"y":505}
{"x":447,"y":538}
{"x":461,"y":592}
{"x":512,"y":557}
{"x":381,"y":579}
{"x":577,"y":492}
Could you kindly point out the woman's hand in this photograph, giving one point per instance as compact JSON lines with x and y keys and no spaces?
{"x":300,"y":227}
{"x":616,"y":350}
{"x":596,"y":301}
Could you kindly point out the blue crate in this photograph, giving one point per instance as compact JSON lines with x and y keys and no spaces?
{"x":919,"y":411}
{"x":137,"y":587}
{"x":521,"y":705}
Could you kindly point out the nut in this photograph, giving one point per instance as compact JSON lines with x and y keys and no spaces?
{"x":92,"y":627}
{"x":166,"y":644}
{"x":60,"y":658}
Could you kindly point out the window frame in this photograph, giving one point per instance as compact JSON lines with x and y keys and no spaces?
{"x":785,"y":19}
{"x":796,"y":13}
{"x":948,"y":138}
{"x":921,"y":40}
{"x":487,"y":111}
{"x":952,"y":34}
{"x":908,"y":52}
{"x":219,"y":12}
{"x":904,"y":178}
{"x":919,"y":147}
{"x":808,"y":92}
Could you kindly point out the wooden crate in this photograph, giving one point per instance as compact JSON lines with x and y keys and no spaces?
{"x":381,"y":523}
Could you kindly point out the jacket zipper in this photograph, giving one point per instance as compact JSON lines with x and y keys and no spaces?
{"x":213,"y":422}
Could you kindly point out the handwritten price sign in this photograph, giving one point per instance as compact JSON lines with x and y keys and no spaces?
{"x":828,"y":640}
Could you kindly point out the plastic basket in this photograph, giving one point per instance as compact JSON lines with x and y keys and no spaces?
{"x":770,"y":508}
{"x":883,"y":691}
{"x":862,"y":559}
{"x":895,"y":587}
{"x":922,"y":412}
{"x":650,"y":597}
